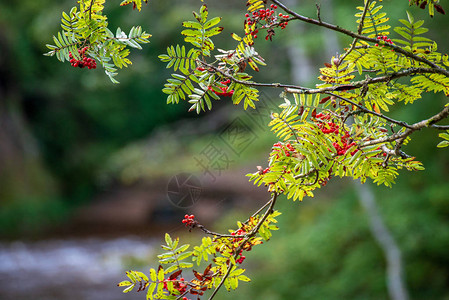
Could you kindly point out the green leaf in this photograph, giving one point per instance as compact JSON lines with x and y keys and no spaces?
{"x":185,"y":265}
{"x":150,"y":291}
{"x":213,"y":31}
{"x":160,"y":275}
{"x":153,"y":275}
{"x":203,"y":13}
{"x":212,"y":22}
{"x":128,"y":289}
{"x":125,"y":283}
{"x":191,"y":24}
{"x":443,"y":144}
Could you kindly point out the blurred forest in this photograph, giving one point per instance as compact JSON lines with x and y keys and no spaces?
{"x":68,"y":136}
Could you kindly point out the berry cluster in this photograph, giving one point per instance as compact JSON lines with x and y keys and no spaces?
{"x":178,"y":284}
{"x":183,"y":287}
{"x":345,"y":145}
{"x":263,"y":171}
{"x":323,"y":181}
{"x":282,"y":149}
{"x":385,"y":39}
{"x":84,"y":62}
{"x":239,"y":231}
{"x":224,"y":90}
{"x":266,"y":17}
{"x":241,"y":257}
{"x":189,"y":221}
{"x":327,"y":127}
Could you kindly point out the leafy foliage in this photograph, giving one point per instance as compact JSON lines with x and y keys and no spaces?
{"x":198,"y":32}
{"x":136,"y":3}
{"x":227,"y":253}
{"x":444,"y":143}
{"x":88,"y":27}
{"x":431,"y":4}
{"x":196,"y":71}
{"x":410,"y":34}
{"x":374,"y":20}
{"x":337,"y":129}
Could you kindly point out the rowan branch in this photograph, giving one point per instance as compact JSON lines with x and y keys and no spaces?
{"x":358,"y":36}
{"x":414,"y":127}
{"x":253,"y":232}
{"x":440,"y":127}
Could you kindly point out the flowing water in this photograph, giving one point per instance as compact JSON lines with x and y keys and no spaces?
{"x":81,"y":269}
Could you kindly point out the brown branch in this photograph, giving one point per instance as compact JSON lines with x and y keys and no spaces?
{"x":317,"y":176}
{"x":221,"y":235}
{"x":414,"y":127}
{"x":367,"y":81}
{"x":295,"y":89}
{"x":90,"y":8}
{"x":253,"y":232}
{"x":358,"y":36}
{"x":366,"y":110}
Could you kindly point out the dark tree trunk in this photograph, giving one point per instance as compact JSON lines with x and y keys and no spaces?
{"x":22,"y":173}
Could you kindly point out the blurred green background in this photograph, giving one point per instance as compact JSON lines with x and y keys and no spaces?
{"x":70,"y":140}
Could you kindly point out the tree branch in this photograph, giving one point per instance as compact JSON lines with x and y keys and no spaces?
{"x":358,"y":36}
{"x":366,"y":110}
{"x":253,"y":232}
{"x":414,"y":127}
{"x":367,"y":81}
{"x":440,"y":127}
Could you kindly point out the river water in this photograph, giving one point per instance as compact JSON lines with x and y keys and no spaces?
{"x":81,"y":269}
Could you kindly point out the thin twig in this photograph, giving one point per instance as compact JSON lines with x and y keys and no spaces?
{"x":253,"y":232}
{"x":414,"y":127}
{"x":221,"y":235}
{"x":329,"y":90}
{"x":366,"y":110}
{"x":258,"y":211}
{"x":359,"y":31}
{"x":90,"y":8}
{"x":295,"y":89}
{"x":440,"y":127}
